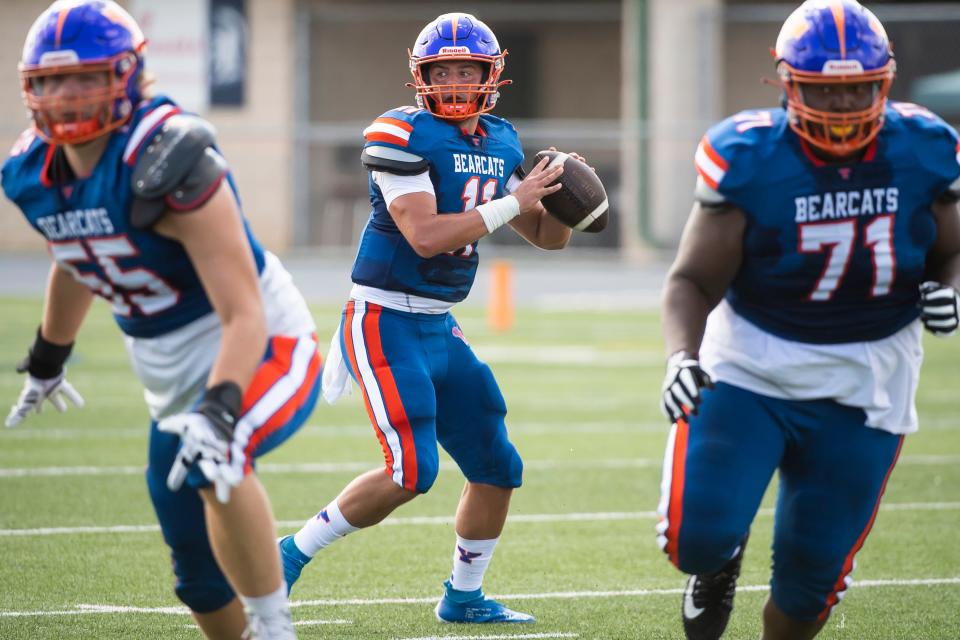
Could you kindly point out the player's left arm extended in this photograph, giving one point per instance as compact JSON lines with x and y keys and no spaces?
{"x":216,"y":242}
{"x":709,"y":256}
{"x":180,"y":193}
{"x":541,"y":229}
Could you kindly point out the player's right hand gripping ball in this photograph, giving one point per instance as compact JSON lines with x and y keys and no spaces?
{"x":581,"y":203}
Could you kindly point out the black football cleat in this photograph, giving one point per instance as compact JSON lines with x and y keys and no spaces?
{"x":708,"y":600}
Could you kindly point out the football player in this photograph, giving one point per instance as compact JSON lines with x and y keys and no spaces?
{"x":138,"y":206}
{"x":442,"y":175}
{"x":824,"y":237}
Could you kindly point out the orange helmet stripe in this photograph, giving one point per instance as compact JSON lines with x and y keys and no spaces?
{"x":839,"y":18}
{"x":121,"y":17}
{"x":60,"y":20}
{"x":456,"y":19}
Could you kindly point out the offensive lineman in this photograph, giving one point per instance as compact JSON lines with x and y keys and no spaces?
{"x":824,"y":236}
{"x":138,"y":206}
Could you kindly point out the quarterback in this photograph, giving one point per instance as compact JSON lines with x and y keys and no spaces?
{"x":442,"y":175}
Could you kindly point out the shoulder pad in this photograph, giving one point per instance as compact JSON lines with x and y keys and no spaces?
{"x":170,"y":155}
{"x":179,"y":169}
{"x":384,"y":158}
{"x":489,"y":118}
{"x":387,"y":144}
{"x":23,"y":142}
{"x":934,"y":143}
{"x":730,"y":153}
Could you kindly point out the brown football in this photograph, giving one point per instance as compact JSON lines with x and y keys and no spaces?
{"x":581,"y":203}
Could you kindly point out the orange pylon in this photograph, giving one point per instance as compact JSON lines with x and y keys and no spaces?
{"x":500,"y":309}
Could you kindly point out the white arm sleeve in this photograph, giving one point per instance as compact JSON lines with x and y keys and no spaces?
{"x":393,"y":186}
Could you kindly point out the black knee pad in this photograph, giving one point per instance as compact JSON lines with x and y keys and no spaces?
{"x":201,"y":584}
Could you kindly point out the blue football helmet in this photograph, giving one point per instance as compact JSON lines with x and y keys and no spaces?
{"x":457,"y":36}
{"x":834,"y":42}
{"x":95,"y":40}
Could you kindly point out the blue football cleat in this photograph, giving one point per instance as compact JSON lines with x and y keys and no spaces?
{"x":293,"y":560}
{"x":473,"y":606}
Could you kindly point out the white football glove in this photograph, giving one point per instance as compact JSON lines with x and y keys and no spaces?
{"x":36,"y":390}
{"x":939,"y":308}
{"x":681,"y":386}
{"x":207,"y":439}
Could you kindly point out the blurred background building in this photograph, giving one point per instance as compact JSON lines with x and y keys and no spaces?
{"x":630,"y":84}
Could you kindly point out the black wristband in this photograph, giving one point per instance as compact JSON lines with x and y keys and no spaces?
{"x":45,"y":359}
{"x":221,"y":404}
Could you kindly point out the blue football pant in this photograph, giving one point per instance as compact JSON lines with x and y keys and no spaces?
{"x":833,"y":470}
{"x":277,"y":402}
{"x":423,"y":385}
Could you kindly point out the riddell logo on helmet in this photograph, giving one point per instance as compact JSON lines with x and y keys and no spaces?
{"x":841,"y":67}
{"x":58,"y":58}
{"x":454,"y":50}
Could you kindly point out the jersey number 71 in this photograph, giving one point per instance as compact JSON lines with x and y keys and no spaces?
{"x":838,"y":238}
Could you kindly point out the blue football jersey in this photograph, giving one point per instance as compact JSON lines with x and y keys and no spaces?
{"x":832,"y":252}
{"x":466,"y":170}
{"x":148,"y":278}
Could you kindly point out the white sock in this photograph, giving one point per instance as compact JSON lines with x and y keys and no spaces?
{"x":470,"y":561}
{"x":270,"y":606}
{"x":322,"y":530}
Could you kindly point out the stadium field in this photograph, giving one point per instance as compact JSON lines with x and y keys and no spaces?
{"x":81,"y":555}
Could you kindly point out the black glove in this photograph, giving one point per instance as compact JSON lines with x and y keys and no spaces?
{"x":681,"y":386}
{"x":939,"y":308}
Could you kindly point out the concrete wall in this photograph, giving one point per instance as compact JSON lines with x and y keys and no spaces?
{"x":16,"y":16}
{"x":577,"y":65}
{"x":256,"y":139}
{"x":683,"y":97}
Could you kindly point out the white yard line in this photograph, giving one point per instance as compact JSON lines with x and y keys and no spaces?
{"x":329,"y":467}
{"x":504,"y":636}
{"x":566,"y":354}
{"x":589,"y":516}
{"x":93,"y":609}
{"x":319,"y":430}
{"x":296,"y":623}
{"x":335,"y":431}
{"x":356,"y":466}
{"x":570,"y":595}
